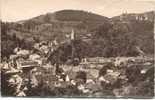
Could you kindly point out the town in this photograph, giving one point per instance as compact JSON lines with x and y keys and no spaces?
{"x":77,"y":49}
{"x":36,"y":73}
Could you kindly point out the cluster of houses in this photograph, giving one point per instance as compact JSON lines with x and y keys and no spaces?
{"x":25,"y":61}
{"x":138,"y":17}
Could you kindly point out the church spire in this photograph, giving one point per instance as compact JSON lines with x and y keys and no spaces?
{"x":72,"y":35}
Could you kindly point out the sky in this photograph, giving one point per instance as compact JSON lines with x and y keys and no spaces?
{"x":16,"y":10}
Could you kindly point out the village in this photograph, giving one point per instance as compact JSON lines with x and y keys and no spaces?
{"x":31,"y":73}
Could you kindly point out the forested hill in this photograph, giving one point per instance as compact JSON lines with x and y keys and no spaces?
{"x":100,"y":35}
{"x":142,"y":27}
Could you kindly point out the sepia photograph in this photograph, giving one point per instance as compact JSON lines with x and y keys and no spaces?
{"x":77,"y":49}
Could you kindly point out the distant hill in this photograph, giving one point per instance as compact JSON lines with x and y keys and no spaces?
{"x":77,"y":15}
{"x":57,"y":25}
